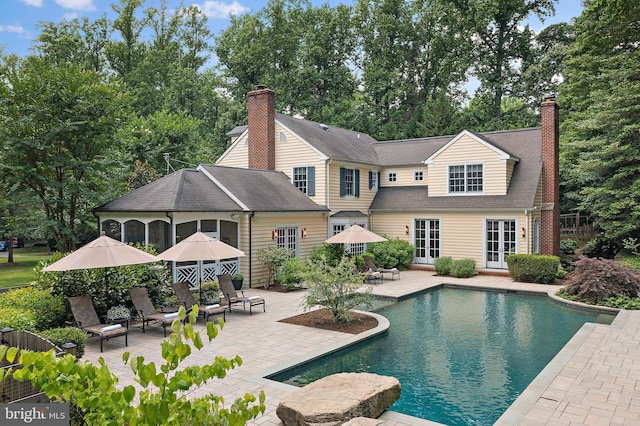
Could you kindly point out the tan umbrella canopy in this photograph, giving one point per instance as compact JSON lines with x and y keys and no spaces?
{"x":199,"y":246}
{"x":103,"y":252}
{"x":355,"y":234}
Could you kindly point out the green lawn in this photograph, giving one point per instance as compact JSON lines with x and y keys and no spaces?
{"x":20,"y":272}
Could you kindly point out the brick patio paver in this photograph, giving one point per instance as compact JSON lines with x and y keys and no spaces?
{"x":593,"y":380}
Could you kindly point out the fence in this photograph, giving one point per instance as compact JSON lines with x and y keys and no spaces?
{"x":11,"y":390}
{"x":575,"y":225}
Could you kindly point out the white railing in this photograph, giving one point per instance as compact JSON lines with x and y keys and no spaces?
{"x":208,"y":272}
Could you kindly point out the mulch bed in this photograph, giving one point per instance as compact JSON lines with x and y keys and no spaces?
{"x":322,"y":318}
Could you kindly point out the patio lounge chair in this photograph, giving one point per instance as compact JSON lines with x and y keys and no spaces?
{"x":372,"y":266}
{"x":147,"y":312}
{"x":87,"y":319}
{"x":368,"y":276}
{"x":185,"y":296}
{"x":232,"y":296}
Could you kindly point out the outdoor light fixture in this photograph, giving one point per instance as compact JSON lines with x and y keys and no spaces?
{"x":274,"y":234}
{"x":303,"y":233}
{"x":523,"y":233}
{"x":406,"y":229}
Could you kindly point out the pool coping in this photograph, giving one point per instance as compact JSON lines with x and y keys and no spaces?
{"x":517,"y":411}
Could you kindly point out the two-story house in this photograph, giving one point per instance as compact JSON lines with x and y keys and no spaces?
{"x":293,"y":183}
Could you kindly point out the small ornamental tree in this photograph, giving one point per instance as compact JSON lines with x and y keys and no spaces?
{"x":335,"y":288}
{"x":593,"y":280}
{"x":273,"y":257}
{"x":93,"y":393}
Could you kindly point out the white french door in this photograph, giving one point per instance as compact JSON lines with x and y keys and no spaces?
{"x":426,"y":237}
{"x":501,"y":241}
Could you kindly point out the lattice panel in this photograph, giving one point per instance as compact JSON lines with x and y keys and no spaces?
{"x":187,"y":274}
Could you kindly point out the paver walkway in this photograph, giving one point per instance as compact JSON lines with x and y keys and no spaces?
{"x":594,"y":380}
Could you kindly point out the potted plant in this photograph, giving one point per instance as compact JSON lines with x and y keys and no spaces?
{"x":237,"y":280}
{"x":118,"y":313}
{"x":209,"y":293}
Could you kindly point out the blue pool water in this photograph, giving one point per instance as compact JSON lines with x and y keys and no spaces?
{"x":462,"y":356}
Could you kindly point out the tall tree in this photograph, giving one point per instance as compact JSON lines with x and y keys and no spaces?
{"x":601,"y":134}
{"x":57,"y":126}
{"x":501,"y":42}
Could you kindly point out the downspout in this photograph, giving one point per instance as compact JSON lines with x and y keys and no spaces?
{"x":327,"y":178}
{"x":173,"y":242}
{"x":526,"y":214}
{"x":251,"y":215}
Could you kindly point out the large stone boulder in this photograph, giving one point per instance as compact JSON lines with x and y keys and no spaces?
{"x":338,"y":398}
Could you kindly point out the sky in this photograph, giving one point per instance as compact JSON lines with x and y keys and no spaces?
{"x":19,"y":18}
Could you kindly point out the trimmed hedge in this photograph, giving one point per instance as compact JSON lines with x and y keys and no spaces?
{"x":34,"y":309}
{"x":463,"y":268}
{"x":62,"y":335}
{"x":533,"y":268}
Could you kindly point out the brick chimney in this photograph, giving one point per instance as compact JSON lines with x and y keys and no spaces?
{"x":261,"y":105}
{"x":550,"y":214}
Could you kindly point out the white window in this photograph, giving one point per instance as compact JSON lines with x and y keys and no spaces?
{"x":418,"y":175}
{"x":373,"y":180}
{"x":349,"y":182}
{"x":287,"y":238}
{"x":466,"y":179}
{"x":392,"y":177}
{"x":282,"y":136}
{"x":304,"y":179}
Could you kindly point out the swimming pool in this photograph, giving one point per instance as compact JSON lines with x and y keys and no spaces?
{"x":462,"y":356}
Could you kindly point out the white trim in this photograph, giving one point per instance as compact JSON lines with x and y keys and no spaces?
{"x":235,"y":142}
{"x":322,"y":155}
{"x":484,"y":236}
{"x":200,"y":168}
{"x":503,"y":154}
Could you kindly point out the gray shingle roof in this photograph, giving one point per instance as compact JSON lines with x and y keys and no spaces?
{"x":334,"y":142}
{"x":186,"y":190}
{"x":262,"y":190}
{"x":190,"y":190}
{"x":524,"y":144}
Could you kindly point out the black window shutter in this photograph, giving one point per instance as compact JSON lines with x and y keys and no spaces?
{"x":343,"y":186}
{"x":356,"y":180}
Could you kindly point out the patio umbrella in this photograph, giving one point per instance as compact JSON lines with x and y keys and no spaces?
{"x":355,"y":234}
{"x":198,"y":247}
{"x":103,"y":252}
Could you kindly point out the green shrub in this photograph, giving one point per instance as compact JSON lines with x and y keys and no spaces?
{"x":533,"y":268}
{"x":331,"y":253}
{"x":292,"y":272}
{"x":393,"y":253}
{"x":107,"y":286}
{"x":442,"y":265}
{"x":594,"y":280}
{"x":62,"y":335}
{"x":209,"y":293}
{"x":273,"y":257}
{"x":361,"y":264}
{"x":621,"y":302}
{"x":568,"y":246}
{"x":601,"y":246}
{"x":17,"y":318}
{"x":335,"y":288}
{"x":463,"y":268}
{"x":47,"y":311}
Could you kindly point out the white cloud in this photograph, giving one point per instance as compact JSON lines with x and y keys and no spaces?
{"x":76,"y":4}
{"x":17,"y":29}
{"x":36,"y":3}
{"x":69,"y":16}
{"x":220,"y":10}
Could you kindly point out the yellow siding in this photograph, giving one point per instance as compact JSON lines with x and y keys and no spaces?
{"x":295,"y":153}
{"x":462,"y":234}
{"x":404,"y":176}
{"x":237,"y":156}
{"x":468,"y":151}
{"x":263,"y":224}
{"x":361,"y":203}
